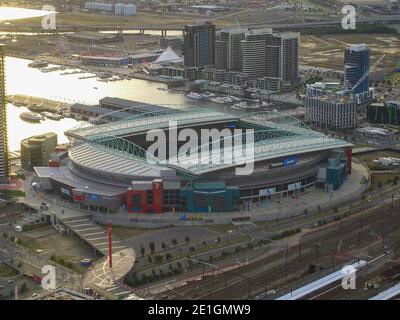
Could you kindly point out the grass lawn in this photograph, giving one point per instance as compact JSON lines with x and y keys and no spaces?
{"x":384,"y":178}
{"x":125,"y":233}
{"x":29,"y":243}
{"x":221,"y":228}
{"x":6,"y":271}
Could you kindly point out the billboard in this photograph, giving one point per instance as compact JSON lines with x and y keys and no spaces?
{"x":294,"y":186}
{"x":290,"y":161}
{"x":267,"y":192}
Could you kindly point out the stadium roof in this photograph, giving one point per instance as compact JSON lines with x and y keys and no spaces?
{"x":275,"y":135}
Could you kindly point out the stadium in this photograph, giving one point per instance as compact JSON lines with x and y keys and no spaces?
{"x":109,"y":167}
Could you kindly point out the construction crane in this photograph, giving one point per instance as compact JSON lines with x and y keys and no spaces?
{"x":365,"y":75}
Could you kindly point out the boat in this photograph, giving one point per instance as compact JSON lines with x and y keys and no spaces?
{"x":240,"y":106}
{"x":35,"y":108}
{"x":52,"y":116}
{"x":222,"y":100}
{"x":208,"y":95}
{"x":104,"y":75}
{"x":253,"y":106}
{"x":77,"y":116}
{"x":30,"y":116}
{"x":235,"y":99}
{"x":266,"y":104}
{"x":194,"y":95}
{"x":38,"y":64}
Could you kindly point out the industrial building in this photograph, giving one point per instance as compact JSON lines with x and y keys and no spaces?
{"x":90,"y":37}
{"x":4,"y":164}
{"x":119,"y":9}
{"x":37,"y":150}
{"x":110,"y":167}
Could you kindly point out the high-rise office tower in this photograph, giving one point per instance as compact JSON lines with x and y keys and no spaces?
{"x":221,"y":53}
{"x":199,"y":45}
{"x":356,"y":64}
{"x":254,"y":52}
{"x":282,"y":59}
{"x":4,"y":165}
{"x":228,"y":49}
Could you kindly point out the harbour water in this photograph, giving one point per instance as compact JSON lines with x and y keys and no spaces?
{"x":22,"y":79}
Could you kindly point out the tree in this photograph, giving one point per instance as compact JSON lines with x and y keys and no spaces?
{"x":158,"y":258}
{"x":149,"y":259}
{"x":142,"y":250}
{"x":168,"y":256}
{"x":152,"y":247}
{"x":187,"y":239}
{"x":174,"y":241}
{"x":204,"y":243}
{"x":23,"y":288}
{"x":164,"y":246}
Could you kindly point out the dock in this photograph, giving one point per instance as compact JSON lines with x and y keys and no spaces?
{"x":42,"y":103}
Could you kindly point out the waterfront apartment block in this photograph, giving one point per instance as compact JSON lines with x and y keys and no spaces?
{"x":199,"y":45}
{"x":257,"y":56}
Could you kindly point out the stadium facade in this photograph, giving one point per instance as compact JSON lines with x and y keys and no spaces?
{"x":109,"y":168}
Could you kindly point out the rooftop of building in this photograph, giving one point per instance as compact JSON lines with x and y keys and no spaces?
{"x":39,"y":138}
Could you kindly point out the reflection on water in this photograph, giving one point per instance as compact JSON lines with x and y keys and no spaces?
{"x":9,"y":13}
{"x":19,"y":129}
{"x":69,"y":88}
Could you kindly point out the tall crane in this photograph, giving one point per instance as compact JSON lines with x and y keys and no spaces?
{"x":365,"y":75}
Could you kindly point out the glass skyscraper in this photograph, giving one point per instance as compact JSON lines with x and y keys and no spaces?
{"x":356,"y":64}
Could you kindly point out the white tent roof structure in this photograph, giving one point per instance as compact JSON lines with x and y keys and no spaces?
{"x":168,"y":56}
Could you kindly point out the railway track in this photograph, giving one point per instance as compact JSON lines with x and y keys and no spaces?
{"x":351,"y":237}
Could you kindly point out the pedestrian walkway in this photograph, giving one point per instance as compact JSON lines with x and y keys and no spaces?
{"x":100,"y":274}
{"x":92,"y":233}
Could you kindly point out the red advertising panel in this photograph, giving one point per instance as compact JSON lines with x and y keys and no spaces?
{"x":136,"y":201}
{"x":79,"y":197}
{"x":349,"y":154}
{"x":158,"y":195}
